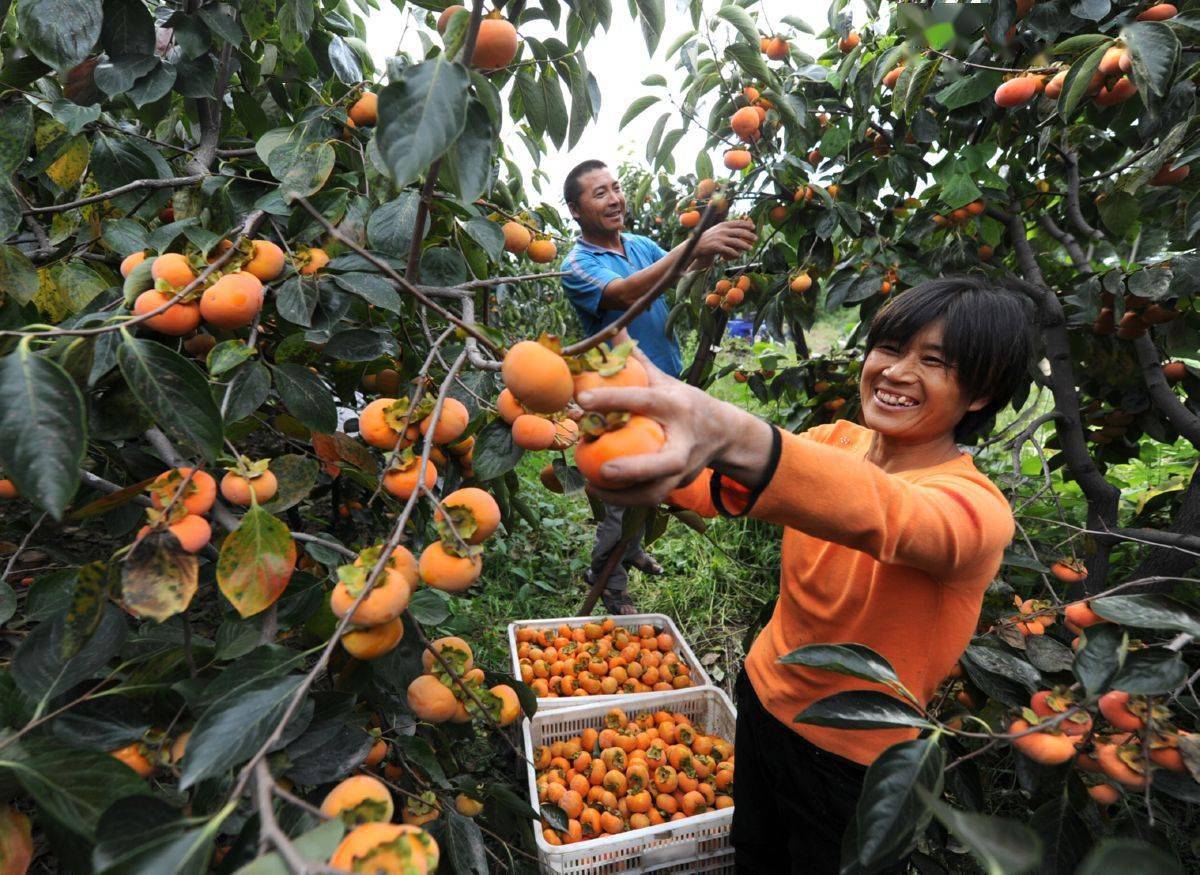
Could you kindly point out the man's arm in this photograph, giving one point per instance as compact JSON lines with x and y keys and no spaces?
{"x":727,"y":239}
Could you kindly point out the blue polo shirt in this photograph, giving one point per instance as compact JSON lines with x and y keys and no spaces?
{"x":590,"y":268}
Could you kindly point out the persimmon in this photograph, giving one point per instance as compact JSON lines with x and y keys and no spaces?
{"x":630,"y":373}
{"x":777,"y":48}
{"x":178,"y":319}
{"x":193,"y":532}
{"x":1069,"y":570}
{"x":312,"y":260}
{"x":245,"y":490}
{"x":232,"y":301}
{"x":388,"y":597}
{"x":387,"y":849}
{"x":1174,"y":371}
{"x":517,"y":237}
{"x":402,"y":478}
{"x":712,"y":300}
{"x":374,"y":425}
{"x":537,"y":377}
{"x":372,"y":642}
{"x":705,"y":188}
{"x":1042,"y":746}
{"x":548,"y":477}
{"x":172,"y":270}
{"x":737,"y":159}
{"x":1017,"y":92}
{"x":1165,"y":753}
{"x":800,"y":283}
{"x":267,"y":261}
{"x":745,"y":123}
{"x":849,"y":42}
{"x":1114,"y":706}
{"x":690,"y":218}
{"x":1115,"y":60}
{"x":454,"y":650}
{"x":639,"y":436}
{"x":1158,"y":12}
{"x":1170,"y":175}
{"x":431,"y":700}
{"x":1122,"y":763}
{"x":1055,"y":86}
{"x":444,"y":19}
{"x":364,"y":112}
{"x":1119,"y":92}
{"x":451,"y":423}
{"x":199,"y":345}
{"x":359,"y":799}
{"x":892,"y":76}
{"x":421,"y":810}
{"x":532,"y":432}
{"x":134,"y":756}
{"x":1104,"y":794}
{"x":496,"y":44}
{"x":197,"y":497}
{"x":777,"y":215}
{"x":446,"y":571}
{"x":475,"y":506}
{"x":542,"y":250}
{"x":1080,"y":616}
{"x":132,"y":260}
{"x":16,"y":842}
{"x":510,"y":705}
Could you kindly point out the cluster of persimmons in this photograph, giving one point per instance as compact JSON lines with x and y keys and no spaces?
{"x":452,"y":688}
{"x":180,"y":498}
{"x":600,"y":658}
{"x":630,"y":774}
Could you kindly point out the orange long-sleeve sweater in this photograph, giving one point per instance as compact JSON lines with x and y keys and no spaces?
{"x":898,"y":562}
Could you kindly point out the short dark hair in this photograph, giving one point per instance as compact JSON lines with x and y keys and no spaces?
{"x":572,"y":189}
{"x":987,"y":337}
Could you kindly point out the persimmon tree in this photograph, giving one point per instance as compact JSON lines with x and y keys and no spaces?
{"x":247,"y":280}
{"x":1046,"y":145}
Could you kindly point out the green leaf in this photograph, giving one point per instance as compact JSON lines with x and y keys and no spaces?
{"x":8,"y":602}
{"x":296,"y":299}
{"x":38,"y":666}
{"x":390,"y":227}
{"x":316,"y":845}
{"x":742,"y":22}
{"x":43,"y":433}
{"x":636,"y":108}
{"x":488,"y":235}
{"x":1149,"y":612}
{"x":174,"y":391}
{"x":750,"y":59}
{"x":855,"y":660}
{"x":653,"y":18}
{"x":556,"y":108}
{"x":1001,"y":845}
{"x":60,"y":33}
{"x":890,"y":811}
{"x":256,"y":562}
{"x":360,"y":345}
{"x":1102,"y":653}
{"x":1080,"y":43}
{"x":295,"y":19}
{"x":16,"y":120}
{"x":227,"y":355}
{"x":372,"y":288}
{"x":18,"y":279}
{"x":1128,"y":857}
{"x":862,"y":709}
{"x":469,"y":161}
{"x":233,"y":728}
{"x":958,"y":190}
{"x":1154,"y":50}
{"x":74,"y":786}
{"x":1078,"y":82}
{"x":495,"y":451}
{"x":1150,"y":672}
{"x":420,"y":116}
{"x":1119,"y":211}
{"x":296,"y":475}
{"x":923,"y":75}
{"x":89,"y":598}
{"x":461,"y":843}
{"x":969,"y":89}
{"x":301,"y":168}
{"x":306,"y":397}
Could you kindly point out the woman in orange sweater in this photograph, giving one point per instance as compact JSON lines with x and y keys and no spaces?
{"x":890,"y":537}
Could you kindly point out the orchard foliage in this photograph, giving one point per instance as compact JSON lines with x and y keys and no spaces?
{"x":1047,"y":145}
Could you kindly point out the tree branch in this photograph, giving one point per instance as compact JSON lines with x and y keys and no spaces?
{"x":1167,"y":402}
{"x":1073,"y":211}
{"x":136,"y":185}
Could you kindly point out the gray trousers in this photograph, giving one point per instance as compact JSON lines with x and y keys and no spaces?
{"x":608,"y":535}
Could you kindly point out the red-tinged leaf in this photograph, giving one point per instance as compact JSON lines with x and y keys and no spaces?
{"x":158,"y":579}
{"x":326,"y":449}
{"x":111,"y":501}
{"x":351,"y":451}
{"x":256,"y":562}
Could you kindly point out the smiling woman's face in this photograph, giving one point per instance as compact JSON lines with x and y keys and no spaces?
{"x":601,"y":204}
{"x":909,"y":392}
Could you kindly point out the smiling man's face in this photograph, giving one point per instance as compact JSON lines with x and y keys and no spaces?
{"x":601,"y":205}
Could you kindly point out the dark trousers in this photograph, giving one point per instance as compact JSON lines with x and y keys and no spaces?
{"x":793,"y":800}
{"x":608,"y":536}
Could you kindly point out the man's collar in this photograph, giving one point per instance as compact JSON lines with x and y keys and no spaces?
{"x":593,"y":247}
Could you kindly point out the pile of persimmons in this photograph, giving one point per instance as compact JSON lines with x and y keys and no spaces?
{"x":628,"y":774}
{"x":600,"y":658}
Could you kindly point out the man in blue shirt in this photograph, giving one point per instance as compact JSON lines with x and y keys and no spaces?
{"x":607,"y":271}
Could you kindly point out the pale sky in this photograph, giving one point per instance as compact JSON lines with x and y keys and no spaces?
{"x":619,"y":61}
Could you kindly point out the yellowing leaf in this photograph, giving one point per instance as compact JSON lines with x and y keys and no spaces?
{"x":69,"y":166}
{"x":158,"y":580}
{"x":256,"y":562}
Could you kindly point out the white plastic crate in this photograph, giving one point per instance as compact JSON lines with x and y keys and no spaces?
{"x":699,"y":844}
{"x":699,"y":676}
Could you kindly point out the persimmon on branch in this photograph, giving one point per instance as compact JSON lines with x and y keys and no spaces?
{"x":1167,"y":402}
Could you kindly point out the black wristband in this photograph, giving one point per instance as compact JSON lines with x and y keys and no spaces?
{"x":715,"y":483}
